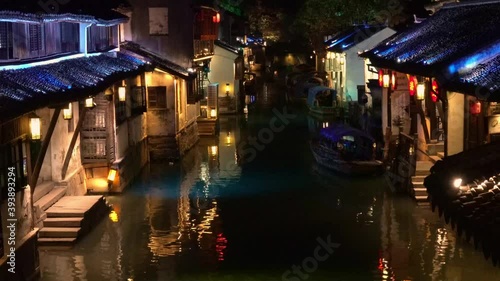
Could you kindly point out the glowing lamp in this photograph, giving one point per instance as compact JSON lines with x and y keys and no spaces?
{"x":227,"y":89}
{"x":213,"y":113}
{"x":386,"y":81}
{"x":68,"y":112}
{"x":216,"y":18}
{"x":475,"y":108}
{"x":325,"y":124}
{"x":411,"y":150}
{"x":393,"y":81}
{"x":35,"y":127}
{"x":111,"y":175}
{"x":89,"y":102}
{"x":213,"y":150}
{"x":229,"y":139}
{"x":121,"y":94}
{"x":457,"y":182}
{"x":342,"y":60}
{"x":113,"y":216}
{"x":420,"y":91}
{"x":412,"y":85}
{"x":381,"y":78}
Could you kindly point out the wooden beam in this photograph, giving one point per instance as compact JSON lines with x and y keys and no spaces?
{"x":41,"y":156}
{"x":72,"y":143}
{"x":423,"y":121}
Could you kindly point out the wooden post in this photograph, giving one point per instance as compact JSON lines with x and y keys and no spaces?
{"x":72,"y":143}
{"x":45,"y":145}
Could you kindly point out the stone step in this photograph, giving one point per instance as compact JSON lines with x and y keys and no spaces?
{"x":418,"y":184}
{"x":74,"y":206}
{"x":422,"y":173}
{"x":435,"y":158}
{"x":418,"y":178}
{"x":419,"y":191}
{"x":63,"y":222}
{"x":51,"y":198}
{"x":56,"y":242}
{"x":421,"y":198}
{"x":59,"y":232}
{"x":440,"y":155}
{"x":42,"y":189}
{"x":434,"y":148}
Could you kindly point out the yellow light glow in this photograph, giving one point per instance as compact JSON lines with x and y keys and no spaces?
{"x":229,"y":139}
{"x":227,"y":88}
{"x":89,"y":102}
{"x":122,"y":94}
{"x":68,"y":112}
{"x":213,"y":150}
{"x":420,"y":91}
{"x":213,"y":113}
{"x":35,"y":127}
{"x":387,"y":80}
{"x":113,"y":216}
{"x":111,"y":175}
{"x":457,"y":182}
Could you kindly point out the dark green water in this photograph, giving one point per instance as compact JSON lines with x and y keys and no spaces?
{"x":257,"y":207}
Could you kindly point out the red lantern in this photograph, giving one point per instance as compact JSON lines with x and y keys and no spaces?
{"x":216,"y":18}
{"x":381,"y":78}
{"x":475,"y":108}
{"x":412,"y":85}
{"x":434,"y":91}
{"x":393,"y":81}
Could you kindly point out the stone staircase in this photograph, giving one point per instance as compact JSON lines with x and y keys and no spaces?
{"x":206,"y":127}
{"x":417,"y":182}
{"x":70,"y":218}
{"x":46,"y":194}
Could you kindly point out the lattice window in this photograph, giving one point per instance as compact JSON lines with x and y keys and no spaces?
{"x":94,"y":148}
{"x":157,"y":97}
{"x":35,"y":37}
{"x":5,"y":40}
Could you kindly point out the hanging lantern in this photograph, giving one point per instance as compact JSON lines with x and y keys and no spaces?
{"x":213,"y":113}
{"x":387,"y":81}
{"x":435,"y":91}
{"x":68,"y":112}
{"x":216,"y":18}
{"x":412,"y":85}
{"x":89,"y":102}
{"x":475,"y":108}
{"x":111,"y":175}
{"x":420,"y":91}
{"x":35,"y":127}
{"x":381,"y":78}
{"x":122,"y":94}
{"x":393,"y":81}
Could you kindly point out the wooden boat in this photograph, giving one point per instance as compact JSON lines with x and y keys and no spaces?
{"x":346,"y":150}
{"x":322,"y":100}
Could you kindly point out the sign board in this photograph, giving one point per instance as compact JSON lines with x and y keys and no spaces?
{"x":494,"y":124}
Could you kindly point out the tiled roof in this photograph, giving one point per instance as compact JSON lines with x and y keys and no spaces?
{"x":351,"y":37}
{"x":156,"y":60}
{"x":451,"y":33}
{"x":108,"y":18}
{"x":226,"y":46}
{"x":23,"y":90}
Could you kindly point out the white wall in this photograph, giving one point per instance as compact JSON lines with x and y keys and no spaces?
{"x":222,"y":71}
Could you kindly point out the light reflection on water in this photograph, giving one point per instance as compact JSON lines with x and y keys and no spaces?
{"x":207,"y":219}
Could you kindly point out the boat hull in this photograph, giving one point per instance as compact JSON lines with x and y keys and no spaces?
{"x":332,"y":161}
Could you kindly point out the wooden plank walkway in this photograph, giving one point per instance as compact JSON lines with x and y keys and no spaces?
{"x":72,"y":206}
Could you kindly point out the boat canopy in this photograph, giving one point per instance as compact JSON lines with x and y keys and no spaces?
{"x":314,"y":91}
{"x":336,"y":133}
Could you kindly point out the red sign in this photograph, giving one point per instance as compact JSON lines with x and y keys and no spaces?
{"x":435,"y":90}
{"x":381,"y":77}
{"x":412,"y":85}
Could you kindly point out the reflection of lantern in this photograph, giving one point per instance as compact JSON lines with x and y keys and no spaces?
{"x":393,"y":81}
{"x":213,"y":150}
{"x":412,"y":85}
{"x":387,"y":81}
{"x":381,"y":78}
{"x":121,"y":94}
{"x":475,"y":108}
{"x":420,"y":91}
{"x":68,"y":112}
{"x":35,"y":127}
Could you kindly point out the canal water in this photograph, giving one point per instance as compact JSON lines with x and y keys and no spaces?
{"x":251,"y":204}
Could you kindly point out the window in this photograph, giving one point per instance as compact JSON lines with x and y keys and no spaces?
{"x":138,"y":100}
{"x":120,"y":111}
{"x":157,"y":97}
{"x":102,"y":38}
{"x":35,"y":40}
{"x":6,"y":50}
{"x":70,"y":36}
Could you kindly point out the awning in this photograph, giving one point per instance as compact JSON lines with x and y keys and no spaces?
{"x":156,"y":60}
{"x":27,"y":89}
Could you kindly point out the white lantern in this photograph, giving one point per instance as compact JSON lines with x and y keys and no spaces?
{"x":387,"y":80}
{"x":68,"y":112}
{"x":213,"y":113}
{"x":122,"y":94}
{"x":420,"y":91}
{"x":35,"y":127}
{"x":89,"y":102}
